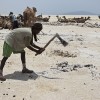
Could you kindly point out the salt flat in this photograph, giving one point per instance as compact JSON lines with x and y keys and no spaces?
{"x":62,"y":73}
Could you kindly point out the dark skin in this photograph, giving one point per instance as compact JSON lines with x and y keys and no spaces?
{"x":34,"y":47}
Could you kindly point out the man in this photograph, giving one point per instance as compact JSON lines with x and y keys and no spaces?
{"x":13,"y":20}
{"x":16,"y":41}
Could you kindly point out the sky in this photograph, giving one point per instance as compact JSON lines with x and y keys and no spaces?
{"x":50,"y":6}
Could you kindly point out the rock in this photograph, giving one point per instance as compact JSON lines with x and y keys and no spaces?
{"x":14,"y":95}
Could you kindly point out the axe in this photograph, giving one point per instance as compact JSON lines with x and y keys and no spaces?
{"x":63,"y":42}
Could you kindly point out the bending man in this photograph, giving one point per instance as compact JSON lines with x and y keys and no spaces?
{"x":16,"y":41}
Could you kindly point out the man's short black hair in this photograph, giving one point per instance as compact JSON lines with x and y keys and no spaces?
{"x":37,"y":26}
{"x":11,"y":13}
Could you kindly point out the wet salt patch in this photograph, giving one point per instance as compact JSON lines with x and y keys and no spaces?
{"x":63,"y":53}
{"x":53,"y":72}
{"x":49,"y":74}
{"x":65,"y":67}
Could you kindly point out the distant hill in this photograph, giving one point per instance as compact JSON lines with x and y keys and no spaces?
{"x":80,"y":13}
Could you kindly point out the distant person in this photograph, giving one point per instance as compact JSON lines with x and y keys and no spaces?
{"x":14,"y":20}
{"x":16,"y":41}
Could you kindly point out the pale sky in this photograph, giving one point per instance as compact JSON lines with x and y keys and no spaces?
{"x":50,"y":6}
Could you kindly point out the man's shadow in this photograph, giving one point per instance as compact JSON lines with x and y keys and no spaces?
{"x":17,"y":75}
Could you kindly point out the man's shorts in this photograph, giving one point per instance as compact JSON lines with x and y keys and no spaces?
{"x":7,"y":50}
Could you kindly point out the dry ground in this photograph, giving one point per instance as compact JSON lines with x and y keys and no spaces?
{"x":62,"y":73}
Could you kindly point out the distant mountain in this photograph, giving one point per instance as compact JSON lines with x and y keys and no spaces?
{"x":80,"y":13}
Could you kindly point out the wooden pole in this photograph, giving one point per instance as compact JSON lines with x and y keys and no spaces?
{"x":61,"y":40}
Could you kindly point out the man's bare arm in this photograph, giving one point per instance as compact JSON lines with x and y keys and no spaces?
{"x":32,"y":49}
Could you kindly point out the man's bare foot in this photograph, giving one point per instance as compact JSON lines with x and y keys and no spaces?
{"x":27,"y":71}
{"x":2,"y":78}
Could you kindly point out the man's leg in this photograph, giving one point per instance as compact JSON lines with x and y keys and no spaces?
{"x":1,"y":68}
{"x":3,"y":63}
{"x":24,"y":70}
{"x":7,"y":51}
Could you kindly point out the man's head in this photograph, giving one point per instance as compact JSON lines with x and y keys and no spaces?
{"x":36,"y":28}
{"x":34,"y":9}
{"x":11,"y":13}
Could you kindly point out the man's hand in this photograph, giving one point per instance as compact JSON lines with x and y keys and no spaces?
{"x":40,"y":51}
